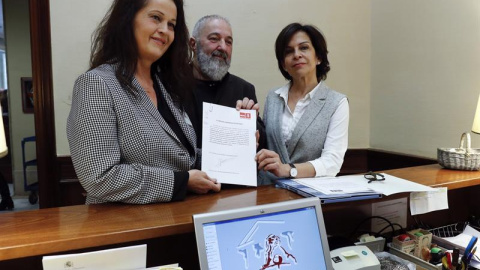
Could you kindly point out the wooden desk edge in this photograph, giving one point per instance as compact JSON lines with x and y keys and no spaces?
{"x":61,"y":245}
{"x":418,"y":174}
{"x":435,"y":176}
{"x":70,"y":224}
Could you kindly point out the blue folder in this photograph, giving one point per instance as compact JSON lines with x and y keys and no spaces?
{"x":324,"y":198}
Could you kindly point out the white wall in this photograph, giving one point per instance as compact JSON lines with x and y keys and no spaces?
{"x":345,"y":24}
{"x":17,"y":36}
{"x":409,"y":67}
{"x":425,"y":66}
{"x":72,"y":24}
{"x":256,"y":24}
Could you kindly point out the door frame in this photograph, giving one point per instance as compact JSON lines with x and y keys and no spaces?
{"x":40,"y":39}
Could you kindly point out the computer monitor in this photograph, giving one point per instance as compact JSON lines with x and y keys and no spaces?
{"x":285,"y":235}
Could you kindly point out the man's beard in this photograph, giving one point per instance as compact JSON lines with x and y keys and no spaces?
{"x":211,"y":66}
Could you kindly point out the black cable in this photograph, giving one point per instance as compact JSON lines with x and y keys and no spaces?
{"x":416,"y":221}
{"x":420,"y":224}
{"x":384,"y":228}
{"x":372,"y":217}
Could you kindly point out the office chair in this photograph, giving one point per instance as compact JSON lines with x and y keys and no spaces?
{"x":33,"y":188}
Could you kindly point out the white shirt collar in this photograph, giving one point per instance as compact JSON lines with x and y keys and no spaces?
{"x":283,"y":91}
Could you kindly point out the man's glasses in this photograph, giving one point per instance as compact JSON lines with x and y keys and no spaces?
{"x":371,"y":176}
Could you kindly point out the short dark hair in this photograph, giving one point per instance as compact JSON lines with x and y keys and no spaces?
{"x":318,"y":42}
{"x":113,"y":42}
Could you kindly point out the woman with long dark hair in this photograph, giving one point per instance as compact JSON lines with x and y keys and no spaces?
{"x":129,"y":129}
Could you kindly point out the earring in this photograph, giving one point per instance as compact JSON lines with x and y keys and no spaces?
{"x":318,"y":63}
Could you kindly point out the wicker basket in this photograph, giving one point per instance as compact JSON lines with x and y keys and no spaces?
{"x":463,"y":158}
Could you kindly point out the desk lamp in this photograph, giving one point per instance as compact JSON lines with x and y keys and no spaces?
{"x":476,"y":120}
{"x":3,"y":140}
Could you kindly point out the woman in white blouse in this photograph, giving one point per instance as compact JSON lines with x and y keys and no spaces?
{"x":306,"y":121}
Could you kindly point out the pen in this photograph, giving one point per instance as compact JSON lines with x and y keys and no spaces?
{"x":464,"y":262}
{"x":456,"y":253}
{"x":469,"y":258}
{"x":449,"y":259}
{"x":444,"y":262}
{"x":470,"y":245}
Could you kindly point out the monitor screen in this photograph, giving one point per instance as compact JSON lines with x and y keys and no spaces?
{"x":285,"y":235}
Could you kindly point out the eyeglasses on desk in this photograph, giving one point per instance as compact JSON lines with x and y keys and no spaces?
{"x":372,"y":176}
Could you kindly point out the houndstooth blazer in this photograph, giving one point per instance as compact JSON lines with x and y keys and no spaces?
{"x":121,"y":147}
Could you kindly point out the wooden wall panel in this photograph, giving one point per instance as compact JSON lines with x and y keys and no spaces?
{"x":379,"y":160}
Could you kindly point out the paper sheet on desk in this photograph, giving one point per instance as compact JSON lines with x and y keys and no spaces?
{"x":134,"y":257}
{"x":392,"y":185}
{"x":335,"y":185}
{"x":165,"y":267}
{"x":424,"y":202}
{"x":229,"y":144}
{"x":463,"y":239}
{"x":358,"y":183}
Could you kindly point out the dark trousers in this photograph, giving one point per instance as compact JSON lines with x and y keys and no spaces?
{"x":4,"y":191}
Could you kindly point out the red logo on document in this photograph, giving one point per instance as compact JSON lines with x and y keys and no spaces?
{"x":245,"y":115}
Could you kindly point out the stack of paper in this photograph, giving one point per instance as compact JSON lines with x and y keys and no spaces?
{"x":350,"y":187}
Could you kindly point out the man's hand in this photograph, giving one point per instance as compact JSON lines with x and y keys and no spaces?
{"x":270,"y":161}
{"x":199,"y":182}
{"x":247,"y":104}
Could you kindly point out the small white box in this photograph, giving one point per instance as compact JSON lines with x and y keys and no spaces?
{"x":376,"y":245}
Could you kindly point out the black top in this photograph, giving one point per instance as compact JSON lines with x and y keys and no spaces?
{"x":171,"y":121}
{"x":208,"y":91}
{"x":181,"y":178}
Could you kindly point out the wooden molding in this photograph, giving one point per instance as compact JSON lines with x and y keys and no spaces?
{"x":355,"y":161}
{"x":65,"y":168}
{"x":43,"y":98}
{"x":380,"y":160}
{"x":72,"y":193}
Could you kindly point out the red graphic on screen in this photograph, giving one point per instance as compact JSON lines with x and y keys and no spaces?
{"x":274,"y":252}
{"x":245,"y":115}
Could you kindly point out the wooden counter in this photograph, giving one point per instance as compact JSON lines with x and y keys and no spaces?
{"x":56,"y":230}
{"x":435,"y":176}
{"x":45,"y":231}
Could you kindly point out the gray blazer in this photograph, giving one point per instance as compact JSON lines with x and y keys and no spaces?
{"x":121,"y":147}
{"x":309,"y":135}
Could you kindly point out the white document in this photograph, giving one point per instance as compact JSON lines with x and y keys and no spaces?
{"x":335,"y":185}
{"x":166,"y":267}
{"x":358,"y":184}
{"x":127,"y":258}
{"x":424,"y":202}
{"x":394,"y":210}
{"x":229,"y":144}
{"x":392,"y":185}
